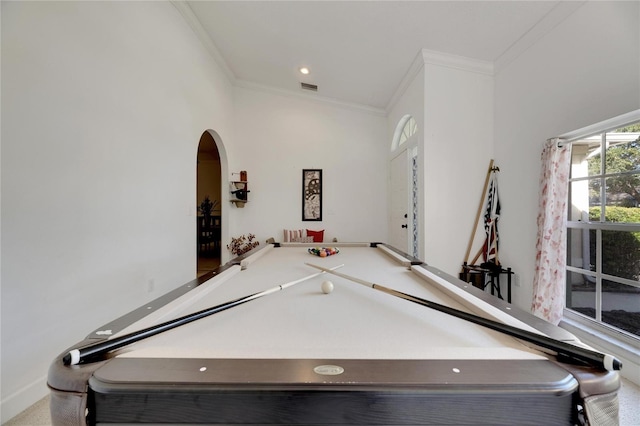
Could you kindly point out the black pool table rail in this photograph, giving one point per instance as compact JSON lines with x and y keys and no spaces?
{"x":372,"y":392}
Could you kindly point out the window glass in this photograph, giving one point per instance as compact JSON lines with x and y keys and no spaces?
{"x":405,"y":129}
{"x":621,"y":254}
{"x":581,"y":200}
{"x":581,"y":249}
{"x":586,"y":155}
{"x":581,"y":295}
{"x":619,"y":307}
{"x":603,"y":235}
{"x":408,"y":130}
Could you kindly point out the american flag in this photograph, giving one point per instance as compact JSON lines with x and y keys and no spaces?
{"x":491,"y":216}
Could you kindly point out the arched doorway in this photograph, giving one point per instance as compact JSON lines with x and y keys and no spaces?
{"x":209,"y":203}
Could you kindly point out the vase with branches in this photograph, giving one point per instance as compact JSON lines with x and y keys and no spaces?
{"x":243,"y":244}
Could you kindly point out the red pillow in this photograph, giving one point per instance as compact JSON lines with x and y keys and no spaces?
{"x":318,"y":236}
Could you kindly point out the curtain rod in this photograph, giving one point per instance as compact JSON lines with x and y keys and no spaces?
{"x":560,"y":142}
{"x":601,"y":127}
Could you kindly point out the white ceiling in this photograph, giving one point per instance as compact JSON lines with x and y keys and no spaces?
{"x":359,"y":51}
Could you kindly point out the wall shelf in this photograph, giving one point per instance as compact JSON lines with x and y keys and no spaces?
{"x":239,"y":192}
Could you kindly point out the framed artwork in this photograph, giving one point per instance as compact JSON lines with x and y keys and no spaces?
{"x":312,"y":194}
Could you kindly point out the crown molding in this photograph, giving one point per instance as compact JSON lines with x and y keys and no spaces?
{"x":555,"y":17}
{"x":188,"y":15}
{"x":433,"y":57}
{"x":186,"y":11}
{"x":310,"y":97}
{"x":561,"y":11}
{"x":457,"y":62}
{"x":416,"y":66}
{"x":558,"y":14}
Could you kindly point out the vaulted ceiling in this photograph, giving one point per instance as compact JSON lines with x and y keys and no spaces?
{"x":359,"y":51}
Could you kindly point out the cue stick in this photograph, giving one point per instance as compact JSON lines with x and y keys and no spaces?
{"x":96,"y":351}
{"x":559,"y":348}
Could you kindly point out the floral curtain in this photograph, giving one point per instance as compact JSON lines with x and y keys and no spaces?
{"x":551,"y":246}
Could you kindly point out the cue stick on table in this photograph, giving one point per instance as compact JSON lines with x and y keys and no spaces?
{"x":95,"y":351}
{"x":559,"y":348}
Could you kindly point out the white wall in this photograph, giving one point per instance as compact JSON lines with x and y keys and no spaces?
{"x":451,"y":98}
{"x":584,"y":71}
{"x":103,"y":105}
{"x":458,"y":145}
{"x":279,"y":135}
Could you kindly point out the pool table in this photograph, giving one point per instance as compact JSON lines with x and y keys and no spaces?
{"x":350,"y":356}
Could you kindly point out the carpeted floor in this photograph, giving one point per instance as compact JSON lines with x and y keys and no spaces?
{"x":38,"y":414}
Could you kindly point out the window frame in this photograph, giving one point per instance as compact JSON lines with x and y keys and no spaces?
{"x":594,"y":327}
{"x":405,"y":129}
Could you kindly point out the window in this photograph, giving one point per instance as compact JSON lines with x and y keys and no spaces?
{"x":406,"y":128}
{"x":603,"y":235}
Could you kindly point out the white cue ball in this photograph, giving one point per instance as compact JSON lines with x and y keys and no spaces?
{"x":327,"y":287}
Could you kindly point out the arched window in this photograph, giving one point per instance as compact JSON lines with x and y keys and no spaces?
{"x":406,"y":128}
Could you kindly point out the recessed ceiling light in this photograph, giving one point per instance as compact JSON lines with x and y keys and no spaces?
{"x":304,"y":70}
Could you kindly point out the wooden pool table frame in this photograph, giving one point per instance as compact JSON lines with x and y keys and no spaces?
{"x":382,"y":392}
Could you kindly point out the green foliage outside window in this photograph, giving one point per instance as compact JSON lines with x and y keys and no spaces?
{"x":621,"y":250}
{"x":617,"y":214}
{"x":624,"y":159}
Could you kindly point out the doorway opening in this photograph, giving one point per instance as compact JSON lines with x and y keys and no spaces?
{"x":209,"y":204}
{"x":403,"y":226}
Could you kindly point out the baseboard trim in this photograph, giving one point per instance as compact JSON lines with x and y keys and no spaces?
{"x":24,"y":398}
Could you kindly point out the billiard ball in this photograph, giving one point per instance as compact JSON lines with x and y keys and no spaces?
{"x":327,"y":287}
